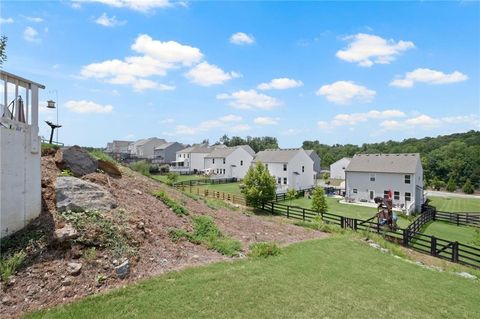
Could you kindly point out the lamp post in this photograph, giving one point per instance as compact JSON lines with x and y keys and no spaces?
{"x":51,"y":105}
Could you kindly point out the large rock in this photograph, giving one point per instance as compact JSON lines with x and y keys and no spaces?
{"x":77,"y":160}
{"x":78,"y":195}
{"x":109,"y":168}
{"x":65,"y":233}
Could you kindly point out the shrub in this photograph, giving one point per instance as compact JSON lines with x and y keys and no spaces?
{"x":259,"y":185}
{"x":468,"y":187}
{"x":319,"y":203}
{"x":177,"y":208}
{"x":264,"y":250}
{"x":99,"y":154}
{"x":66,"y":173}
{"x":438,"y":184}
{"x":291,"y":194}
{"x":325,"y":176}
{"x":90,"y":254}
{"x":10,"y":264}
{"x":164,"y":168}
{"x":451,"y":186}
{"x":172,"y":178}
{"x":318,"y":224}
{"x":141,"y":166}
{"x":154,"y":169}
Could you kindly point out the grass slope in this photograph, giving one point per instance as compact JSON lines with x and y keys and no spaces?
{"x":334,"y":278}
{"x":462,"y":234}
{"x":181,"y":178}
{"x":455,"y":204}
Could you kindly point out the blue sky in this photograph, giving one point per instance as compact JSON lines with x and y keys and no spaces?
{"x":339,"y":72}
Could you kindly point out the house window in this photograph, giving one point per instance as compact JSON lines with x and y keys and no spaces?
{"x":213,"y":161}
{"x":385,"y":194}
{"x":407,"y":179}
{"x":408,"y":197}
{"x":223,"y":161}
{"x":224,"y":171}
{"x":396,"y":195}
{"x":285,"y":167}
{"x":241,"y":163}
{"x":372,"y":177}
{"x":285,"y":181}
{"x":355,"y":191}
{"x":303,"y":169}
{"x":188,"y":155}
{"x":279,"y":180}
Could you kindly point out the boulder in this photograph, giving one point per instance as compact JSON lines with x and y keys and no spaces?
{"x":78,"y":195}
{"x":122,"y":269}
{"x":74,"y":269}
{"x":109,"y":168}
{"x":65,"y":233}
{"x":75,"y":159}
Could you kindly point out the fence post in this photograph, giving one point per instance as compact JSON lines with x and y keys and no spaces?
{"x":405,"y":237}
{"x":288,"y":211}
{"x":342,"y":221}
{"x":458,"y":219}
{"x":303,"y":213}
{"x":433,"y":246}
{"x":455,"y":252}
{"x":273,"y":209}
{"x":355,"y":224}
{"x":263,"y":205}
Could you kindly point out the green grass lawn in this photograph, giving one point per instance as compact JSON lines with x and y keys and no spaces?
{"x":455,"y":204}
{"x":451,"y":232}
{"x":330,"y":278}
{"x":181,"y":178}
{"x":232,"y":188}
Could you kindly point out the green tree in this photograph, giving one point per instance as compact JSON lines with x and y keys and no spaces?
{"x":172,"y":178}
{"x":326,"y":176}
{"x":3,"y":49}
{"x":468,"y":187}
{"x":291,"y":195}
{"x":259,"y":185}
{"x":451,"y":186}
{"x":319,"y":202}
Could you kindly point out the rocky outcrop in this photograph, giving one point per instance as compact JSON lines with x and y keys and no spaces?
{"x":75,"y":159}
{"x":78,"y":195}
{"x":109,"y":168}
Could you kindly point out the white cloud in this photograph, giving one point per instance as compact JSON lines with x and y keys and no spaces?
{"x":241,"y":38}
{"x":167,"y":121}
{"x":249,"y":100}
{"x":366,"y":49}
{"x":344,"y":92}
{"x":143,"y":6}
{"x":428,"y":76}
{"x":352,"y":119}
{"x":280,"y":84}
{"x":34,"y":19}
{"x":264,"y":120}
{"x":239,"y":128}
{"x":6,"y":20}
{"x":224,"y":122}
{"x":426,"y":122}
{"x":206,"y":74}
{"x":107,"y":21}
{"x":158,"y":57}
{"x":88,"y":107}
{"x":31,"y":35}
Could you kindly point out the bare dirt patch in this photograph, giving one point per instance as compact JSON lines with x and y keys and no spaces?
{"x":44,"y":281}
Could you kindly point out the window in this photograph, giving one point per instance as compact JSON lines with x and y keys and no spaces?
{"x":407,"y":179}
{"x":396,"y":195}
{"x":285,"y":167}
{"x":213,"y":161}
{"x":279,"y":180}
{"x":408,"y":197}
{"x":354,"y":190}
{"x":372,"y":177}
{"x":285,"y":181}
{"x":385,"y":194}
{"x":224,"y":171}
{"x":303,"y":169}
{"x":223,"y":161}
{"x":241,"y":163}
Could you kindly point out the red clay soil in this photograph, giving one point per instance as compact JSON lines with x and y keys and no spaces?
{"x":43,"y":281}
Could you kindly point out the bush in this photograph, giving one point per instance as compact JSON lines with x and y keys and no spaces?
{"x":259,"y":185}
{"x":66,"y":173}
{"x":468,"y":187}
{"x":154,"y":169}
{"x":451,"y":186}
{"x":438,"y":184}
{"x":165,"y":168}
{"x":142,"y":167}
{"x":319,"y":203}
{"x":177,"y":208}
{"x":318,"y":224}
{"x":10,"y":264}
{"x":99,"y":154}
{"x":172,"y":178}
{"x":264,"y":250}
{"x":291,"y":194}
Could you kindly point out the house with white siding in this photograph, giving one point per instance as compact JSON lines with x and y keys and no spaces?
{"x":145,"y":148}
{"x":292,"y":168}
{"x":381,"y":175}
{"x":191,"y":159}
{"x":337,"y":169}
{"x":167,"y":152}
{"x":119,"y":147}
{"x":316,"y":161}
{"x":229,"y":162}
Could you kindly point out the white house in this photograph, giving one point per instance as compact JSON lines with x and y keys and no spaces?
{"x":230,"y":162}
{"x":145,"y":148}
{"x":337,"y":169}
{"x":20,"y":170}
{"x":119,"y":147}
{"x":376,"y":175}
{"x":316,"y":161}
{"x":191,"y":159}
{"x":292,"y":168}
{"x":167,"y":152}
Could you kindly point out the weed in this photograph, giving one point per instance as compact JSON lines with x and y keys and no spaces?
{"x":318,"y":224}
{"x":176,"y":207}
{"x":90,"y":254}
{"x":476,"y":238}
{"x":192,"y":196}
{"x":142,"y":167}
{"x":264,"y":249}
{"x":66,"y":173}
{"x":100,"y":279}
{"x":218,"y":204}
{"x":98,"y":154}
{"x":10,"y":264}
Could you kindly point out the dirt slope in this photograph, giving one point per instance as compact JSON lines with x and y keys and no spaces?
{"x":43,"y":280}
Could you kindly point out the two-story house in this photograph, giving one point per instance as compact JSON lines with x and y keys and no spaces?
{"x":292,"y":168}
{"x":380,"y":175}
{"x":145,"y":148}
{"x":167,"y":152}
{"x":337,"y":169}
{"x":316,"y":161}
{"x":191,"y":159}
{"x":229,"y":162}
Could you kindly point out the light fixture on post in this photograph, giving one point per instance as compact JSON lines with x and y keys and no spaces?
{"x":51,"y":104}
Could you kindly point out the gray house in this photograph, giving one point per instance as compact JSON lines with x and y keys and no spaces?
{"x":316,"y":161}
{"x":379,"y":175}
{"x":167,"y":152}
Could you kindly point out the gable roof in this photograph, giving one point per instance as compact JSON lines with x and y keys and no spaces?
{"x":384,"y":163}
{"x":166,"y":145}
{"x":222,"y":152}
{"x":312,"y":153}
{"x":276,"y":155}
{"x":146,"y":140}
{"x":343,"y":158}
{"x":196,"y":149}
